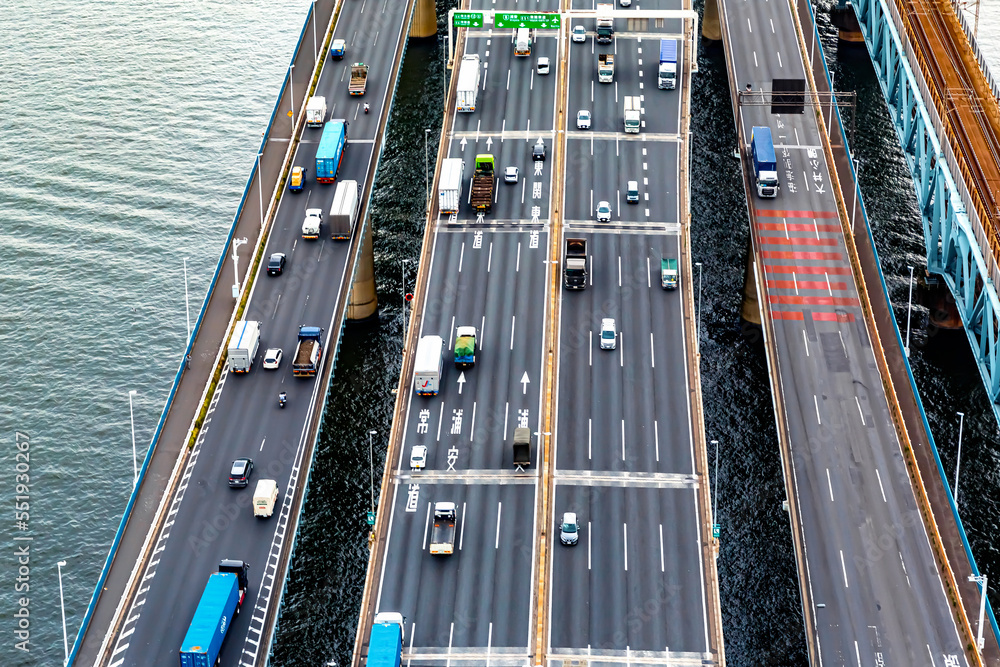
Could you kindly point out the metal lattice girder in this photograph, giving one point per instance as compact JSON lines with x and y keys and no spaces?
{"x":949,"y":240}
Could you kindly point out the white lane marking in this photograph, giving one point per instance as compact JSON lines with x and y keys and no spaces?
{"x":589,"y":439}
{"x":649,"y":282}
{"x":489,"y":262}
{"x":805,"y":341}
{"x":496,"y":544}
{"x":451,"y":332}
{"x":588,"y":545}
{"x":625,"y":534}
{"x":619,"y":262}
{"x":772,"y":25}
{"x":749,"y":27}
{"x":662,"y":568}
{"x":513,"y":320}
{"x":506,"y":409}
{"x":779,"y":59}
{"x":656,"y":439}
{"x":262,"y":445}
{"x":903,"y":563}
{"x":857,"y":652}
{"x":590,"y":346}
{"x":472,"y":428}
{"x":829,"y":484}
{"x":623,"y":440}
{"x":440,"y":421}
{"x":508,"y":85}
{"x":755,"y":63}
{"x":652,"y":352}
{"x":461,"y":257}
{"x":859,"y":411}
{"x":880,"y":485}
{"x":517,"y":265}
{"x":621,"y":351}
{"x":816,"y":403}
{"x":427,"y":524}
{"x":461,"y":534}
{"x":844,"y":568}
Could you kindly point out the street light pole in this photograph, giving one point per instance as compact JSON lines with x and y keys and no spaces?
{"x":427,"y":177}
{"x":236,"y":267}
{"x":715,"y":500}
{"x":371,"y":465}
{"x":291,"y":99}
{"x":135,"y":462}
{"x":187,"y":302}
{"x":62,"y":607}
{"x":260,"y":191}
{"x":857,"y":186}
{"x":909,"y":306}
{"x":981,"y":580}
{"x":698,"y":264}
{"x":315,"y":47}
{"x":958,"y":461}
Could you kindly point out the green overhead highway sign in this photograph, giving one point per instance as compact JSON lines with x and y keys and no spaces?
{"x":468,"y":19}
{"x":526,"y":20}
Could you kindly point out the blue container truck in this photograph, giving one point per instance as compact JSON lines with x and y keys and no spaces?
{"x":765,"y":164}
{"x":219,"y":605}
{"x":385,"y":644}
{"x":667,"y":76}
{"x":330,"y":153}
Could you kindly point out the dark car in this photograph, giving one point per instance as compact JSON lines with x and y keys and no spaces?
{"x":538,"y":151}
{"x":276,"y":264}
{"x":239,"y":474}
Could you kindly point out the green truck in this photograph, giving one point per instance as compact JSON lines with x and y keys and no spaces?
{"x":465,"y":347}
{"x":668,"y":273}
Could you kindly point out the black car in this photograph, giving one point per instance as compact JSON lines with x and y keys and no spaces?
{"x":276,"y":264}
{"x":239,"y":474}
{"x":538,"y":151}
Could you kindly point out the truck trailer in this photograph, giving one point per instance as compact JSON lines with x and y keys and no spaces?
{"x":330,"y":152}
{"x":450,"y":184}
{"x":308,"y":352}
{"x":575,"y":264}
{"x":344,"y":211}
{"x":765,"y":164}
{"x":316,"y":111}
{"x":428,"y":365}
{"x":385,"y":643}
{"x":468,"y":83}
{"x":243,"y":346}
{"x":443,"y":531}
{"x":220,"y":603}
{"x":667,"y":77}
{"x":359,"y":79}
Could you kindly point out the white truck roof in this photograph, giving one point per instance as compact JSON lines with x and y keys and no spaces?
{"x":428,"y":354}
{"x":466,"y":331}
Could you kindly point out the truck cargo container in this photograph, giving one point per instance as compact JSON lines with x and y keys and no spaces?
{"x":450,"y":184}
{"x":605,"y":23}
{"x":330,"y":152}
{"x":522,"y":42}
{"x":220,"y":603}
{"x":765,"y":164}
{"x":633,"y":107}
{"x":385,"y":643}
{"x":243,"y":346}
{"x":428,"y":366}
{"x":522,"y":448}
{"x":316,"y":111}
{"x":468,"y":83}
{"x":344,"y":211}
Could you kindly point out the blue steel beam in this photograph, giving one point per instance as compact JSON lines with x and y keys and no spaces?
{"x":949,"y":240}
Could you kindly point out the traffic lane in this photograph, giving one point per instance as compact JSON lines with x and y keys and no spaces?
{"x":604,"y":168}
{"x":585,"y":91}
{"x":495,"y":62}
{"x":661,"y":107}
{"x":439,"y":593}
{"x":765,"y":39}
{"x":523,"y":202}
{"x":859,"y":558}
{"x":613,"y":590}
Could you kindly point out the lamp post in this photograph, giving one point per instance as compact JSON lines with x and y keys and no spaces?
{"x":404,"y":262}
{"x":958,"y":461}
{"x":833,"y":95}
{"x":260,"y":190}
{"x":236,"y":267}
{"x":715,"y":499}
{"x":909,"y":307}
{"x":315,"y":47}
{"x":291,"y":99}
{"x":857,"y":186}
{"x":371,"y":465}
{"x":981,"y":580}
{"x":427,"y":176}
{"x":187,"y":302}
{"x":135,"y":462}
{"x":698,"y":264}
{"x":62,"y":607}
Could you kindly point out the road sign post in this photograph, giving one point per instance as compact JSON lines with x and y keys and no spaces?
{"x":468,"y":19}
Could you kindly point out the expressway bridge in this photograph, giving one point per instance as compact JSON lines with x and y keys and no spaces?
{"x":618,"y":436}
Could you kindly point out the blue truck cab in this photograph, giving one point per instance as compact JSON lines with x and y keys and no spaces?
{"x":219,"y":605}
{"x":330,"y":153}
{"x":765,"y":164}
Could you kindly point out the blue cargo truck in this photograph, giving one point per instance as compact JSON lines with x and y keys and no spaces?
{"x":765,"y":164}
{"x":667,"y":74}
{"x":330,"y":153}
{"x":219,"y":605}
{"x":385,"y":644}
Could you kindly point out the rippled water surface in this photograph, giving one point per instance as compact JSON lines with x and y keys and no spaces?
{"x":128,"y":133}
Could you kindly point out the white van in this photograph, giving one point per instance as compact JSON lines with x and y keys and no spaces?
{"x":264,"y":498}
{"x":522,"y":42}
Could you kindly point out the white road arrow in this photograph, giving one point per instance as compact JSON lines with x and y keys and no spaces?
{"x":461,"y":381}
{"x":524,"y":382}
{"x":489,"y":143}
{"x":463,"y":142}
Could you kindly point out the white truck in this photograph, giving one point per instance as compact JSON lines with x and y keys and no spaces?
{"x":313,"y":222}
{"x":522,"y":42}
{"x":428,"y":365}
{"x":243,"y":346}
{"x":450,"y":184}
{"x":443,"y":531}
{"x":468,"y":83}
{"x":344,"y":211}
{"x":605,"y":67}
{"x":632,"y":108}
{"x":605,"y":23}
{"x":316,"y":111}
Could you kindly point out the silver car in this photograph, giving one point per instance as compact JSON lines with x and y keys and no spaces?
{"x":579,"y":34}
{"x":609,"y":334}
{"x":569,"y":529}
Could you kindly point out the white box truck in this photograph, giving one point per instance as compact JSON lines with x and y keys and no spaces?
{"x":522,"y":42}
{"x":428,"y":365}
{"x":264,"y":498}
{"x":450,"y":184}
{"x":344,"y":211}
{"x":316,"y":111}
{"x":632,"y":108}
{"x":468,"y":83}
{"x":243,"y":346}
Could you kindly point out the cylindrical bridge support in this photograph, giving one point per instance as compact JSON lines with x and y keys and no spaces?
{"x":363,"y":303}
{"x":710,"y":27}
{"x":424,"y":20}
{"x":749,"y":309}
{"x":846,"y":21}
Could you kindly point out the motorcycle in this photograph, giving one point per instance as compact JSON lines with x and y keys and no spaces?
{"x":366,"y":108}
{"x":282,"y":399}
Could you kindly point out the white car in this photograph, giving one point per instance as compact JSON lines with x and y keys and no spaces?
{"x":579,"y":34}
{"x":609,"y":333}
{"x":603,"y":212}
{"x":543,"y":65}
{"x":583,"y":119}
{"x":272,"y":358}
{"x":418,"y":457}
{"x":510,"y":175}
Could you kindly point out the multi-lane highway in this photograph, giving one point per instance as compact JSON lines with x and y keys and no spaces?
{"x":623,"y":449}
{"x":872,"y":587}
{"x":207,"y":520}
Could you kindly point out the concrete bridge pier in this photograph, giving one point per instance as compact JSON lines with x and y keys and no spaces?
{"x":750,"y":308}
{"x":363,"y":304}
{"x":424,"y":20}
{"x":846,"y":20}
{"x":711,"y":28}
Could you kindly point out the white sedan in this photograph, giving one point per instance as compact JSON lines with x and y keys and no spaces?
{"x":583,"y":119}
{"x":603,"y":212}
{"x":418,"y":457}
{"x":272,"y":358}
